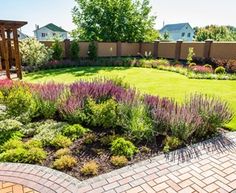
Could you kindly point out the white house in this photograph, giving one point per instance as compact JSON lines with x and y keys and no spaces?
{"x":179,"y":31}
{"x":49,"y":32}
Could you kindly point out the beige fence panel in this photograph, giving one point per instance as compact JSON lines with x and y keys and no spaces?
{"x":129,"y":49}
{"x":166,"y":50}
{"x":223,"y":50}
{"x":147,"y":47}
{"x":198,"y":49}
{"x":106,"y":49}
{"x":83,"y":49}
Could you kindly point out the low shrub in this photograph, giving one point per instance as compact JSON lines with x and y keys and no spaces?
{"x":89,"y":138}
{"x":107,"y":139}
{"x":145,"y":149}
{"x":220,"y":70}
{"x":35,"y":155}
{"x":201,"y":69}
{"x":20,"y":102}
{"x":213,"y":111}
{"x":47,"y":131}
{"x":192,"y":64}
{"x":208,"y":66}
{"x":65,"y":162}
{"x":60,"y":141}
{"x":136,"y":122}
{"x":171,"y":143}
{"x":10,"y":129}
{"x":119,"y":161}
{"x":17,"y":155}
{"x":169,"y":117}
{"x":22,"y":155}
{"x":12,"y":144}
{"x":123,"y":147}
{"x":90,"y":169}
{"x":231,"y":66}
{"x":61,"y":152}
{"x":102,"y":115}
{"x":32,"y":143}
{"x":74,"y":131}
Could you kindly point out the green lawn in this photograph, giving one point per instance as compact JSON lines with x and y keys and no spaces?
{"x":147,"y":81}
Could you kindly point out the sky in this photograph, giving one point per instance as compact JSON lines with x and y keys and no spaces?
{"x":196,"y":12}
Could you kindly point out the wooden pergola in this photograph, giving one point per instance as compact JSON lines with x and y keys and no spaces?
{"x":9,"y":47}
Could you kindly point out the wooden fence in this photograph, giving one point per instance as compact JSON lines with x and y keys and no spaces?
{"x":171,"y":50}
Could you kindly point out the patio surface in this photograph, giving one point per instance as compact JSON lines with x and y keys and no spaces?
{"x":209,"y":166}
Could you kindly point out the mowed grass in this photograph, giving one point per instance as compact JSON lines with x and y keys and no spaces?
{"x":152,"y":81}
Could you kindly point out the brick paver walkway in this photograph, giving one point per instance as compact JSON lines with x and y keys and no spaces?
{"x":209,"y":166}
{"x":8,"y":187}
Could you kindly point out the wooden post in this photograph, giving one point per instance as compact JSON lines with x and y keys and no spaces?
{"x":118,"y":49}
{"x":17,"y":54}
{"x":178,"y":49}
{"x":155,"y":50}
{"x":9,"y":47}
{"x":140,"y":48}
{"x":207,"y":49}
{"x":5,"y":53}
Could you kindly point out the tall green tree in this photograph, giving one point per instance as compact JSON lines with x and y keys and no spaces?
{"x":114,"y":20}
{"x":217,"y":33}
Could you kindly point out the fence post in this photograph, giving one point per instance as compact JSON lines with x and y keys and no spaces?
{"x":118,"y":49}
{"x":207,"y":49}
{"x":178,"y":49}
{"x":67,"y":48}
{"x":155,"y":50}
{"x":140,"y":48}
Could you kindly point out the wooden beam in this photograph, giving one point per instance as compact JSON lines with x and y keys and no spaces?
{"x":5,"y":53}
{"x":17,"y":53}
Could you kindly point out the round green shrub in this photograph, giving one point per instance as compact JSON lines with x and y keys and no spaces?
{"x":20,"y":102}
{"x":220,"y":70}
{"x":119,"y":161}
{"x":192,"y":65}
{"x":64,"y":162}
{"x":74,"y":131}
{"x":35,"y":155}
{"x":208,"y":66}
{"x":61,"y":152}
{"x":33,"y":143}
{"x":120,"y":147}
{"x":90,"y":169}
{"x":60,"y":141}
{"x":12,"y":144}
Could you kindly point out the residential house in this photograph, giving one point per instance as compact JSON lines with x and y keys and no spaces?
{"x":49,"y":32}
{"x":179,"y":31}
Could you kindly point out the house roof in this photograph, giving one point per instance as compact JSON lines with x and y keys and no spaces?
{"x":54,"y":28}
{"x":174,"y":27}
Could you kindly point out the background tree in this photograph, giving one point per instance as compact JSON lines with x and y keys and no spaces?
{"x":114,"y":20}
{"x":57,"y":50}
{"x":217,"y":33}
{"x":74,"y":50}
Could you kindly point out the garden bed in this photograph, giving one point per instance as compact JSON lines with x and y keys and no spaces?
{"x":89,"y":128}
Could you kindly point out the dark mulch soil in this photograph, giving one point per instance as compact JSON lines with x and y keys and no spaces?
{"x":100,"y":154}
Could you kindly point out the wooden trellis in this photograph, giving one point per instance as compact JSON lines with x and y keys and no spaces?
{"x":9,"y":46}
